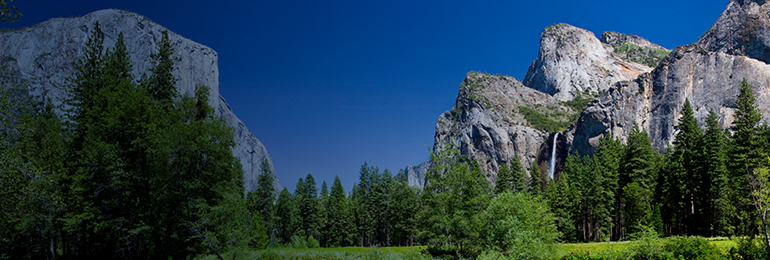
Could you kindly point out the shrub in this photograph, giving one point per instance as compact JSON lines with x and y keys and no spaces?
{"x":749,"y":249}
{"x":520,"y":226}
{"x":312,"y":242}
{"x":692,"y":248}
{"x":298,"y":242}
{"x":649,"y":246}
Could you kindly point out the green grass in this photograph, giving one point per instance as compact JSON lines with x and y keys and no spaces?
{"x":566,"y":248}
{"x":414,"y":252}
{"x":328,"y":253}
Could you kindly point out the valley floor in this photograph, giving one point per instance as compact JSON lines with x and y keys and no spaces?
{"x":414,"y":252}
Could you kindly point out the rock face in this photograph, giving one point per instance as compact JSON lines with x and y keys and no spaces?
{"x":573,"y":62}
{"x":743,"y":29}
{"x":485,"y":124}
{"x":708,"y":73}
{"x":489,"y":122}
{"x":43,"y":55}
{"x":415,"y":175}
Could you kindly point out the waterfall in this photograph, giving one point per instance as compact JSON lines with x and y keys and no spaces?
{"x":552,"y":166}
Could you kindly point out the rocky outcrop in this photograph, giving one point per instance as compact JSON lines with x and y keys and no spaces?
{"x":573,"y":62}
{"x":708,"y":73}
{"x":497,"y":119}
{"x":416,"y":175}
{"x":615,"y":113}
{"x":743,"y":29}
{"x":634,"y":48}
{"x":43,"y":54}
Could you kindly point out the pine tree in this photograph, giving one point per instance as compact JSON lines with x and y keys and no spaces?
{"x":636,"y":181}
{"x":533,"y":180}
{"x":563,"y":201}
{"x":503,"y":179}
{"x":746,"y":154}
{"x":518,"y":175}
{"x":340,"y":226}
{"x":161,"y":82}
{"x":260,"y":201}
{"x":599,"y":187}
{"x":715,"y":145}
{"x":258,"y":233}
{"x":285,"y":211}
{"x":323,"y":215}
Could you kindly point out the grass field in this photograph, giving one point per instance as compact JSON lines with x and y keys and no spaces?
{"x":411,"y":252}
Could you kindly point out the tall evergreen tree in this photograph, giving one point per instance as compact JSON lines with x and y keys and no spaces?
{"x":503,"y":179}
{"x":285,"y":212}
{"x":340,"y":228}
{"x":160,"y":84}
{"x":715,"y":145}
{"x":323,"y":215}
{"x":260,"y":201}
{"x":635,"y":184}
{"x":563,"y":201}
{"x":746,"y":154}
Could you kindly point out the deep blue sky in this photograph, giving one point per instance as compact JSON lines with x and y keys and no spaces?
{"x":327,"y":85}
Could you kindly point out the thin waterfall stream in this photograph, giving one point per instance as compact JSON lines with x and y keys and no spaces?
{"x":552,"y":165}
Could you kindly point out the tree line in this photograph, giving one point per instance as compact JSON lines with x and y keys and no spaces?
{"x":699,"y":186}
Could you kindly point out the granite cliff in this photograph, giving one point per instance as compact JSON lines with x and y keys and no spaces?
{"x":708,"y":73}
{"x":497,"y":119}
{"x":43,"y":54}
{"x":573,"y":62}
{"x":631,"y":81}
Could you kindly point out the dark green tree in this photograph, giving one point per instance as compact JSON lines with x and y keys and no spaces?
{"x":403,"y":206}
{"x":636,"y":182}
{"x":715,"y":168}
{"x":340,"y":228}
{"x":503,"y":179}
{"x":456,"y":193}
{"x":747,"y":152}
{"x":563,"y":201}
{"x":285,"y":212}
{"x":258,"y":233}
{"x":161,"y":82}
{"x":260,"y":201}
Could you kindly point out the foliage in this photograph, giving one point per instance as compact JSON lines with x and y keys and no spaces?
{"x":649,"y":56}
{"x":747,"y":152}
{"x":760,"y":194}
{"x":579,"y":102}
{"x":451,"y":202}
{"x":749,"y":248}
{"x":695,"y":248}
{"x":541,"y":121}
{"x":121,"y":176}
{"x":257,"y":233}
{"x":520,"y":226}
{"x":8,"y":14}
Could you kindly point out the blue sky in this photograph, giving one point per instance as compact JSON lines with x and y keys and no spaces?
{"x":327,"y":85}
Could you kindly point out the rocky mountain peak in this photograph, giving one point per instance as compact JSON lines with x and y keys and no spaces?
{"x":497,"y":119}
{"x":572,"y":62}
{"x":43,"y":55}
{"x":742,"y":29}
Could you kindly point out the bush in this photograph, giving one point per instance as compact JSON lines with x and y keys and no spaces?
{"x":692,"y":248}
{"x":453,"y":252}
{"x":649,"y":246}
{"x":312,"y":242}
{"x":749,"y":249}
{"x":520,"y":226}
{"x":298,"y":242}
